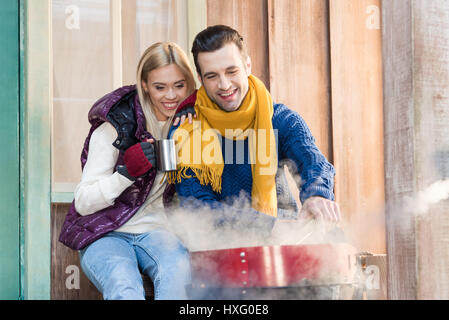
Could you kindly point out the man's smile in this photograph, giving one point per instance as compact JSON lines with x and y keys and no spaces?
{"x":228,"y":95}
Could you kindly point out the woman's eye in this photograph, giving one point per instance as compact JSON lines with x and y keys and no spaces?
{"x":159,"y":88}
{"x":180,"y":86}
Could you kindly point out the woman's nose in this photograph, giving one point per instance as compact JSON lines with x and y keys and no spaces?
{"x":170,"y":94}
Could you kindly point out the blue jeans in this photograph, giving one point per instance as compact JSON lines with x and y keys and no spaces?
{"x":113,"y":264}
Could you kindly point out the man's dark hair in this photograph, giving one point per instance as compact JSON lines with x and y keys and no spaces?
{"x":213,"y":38}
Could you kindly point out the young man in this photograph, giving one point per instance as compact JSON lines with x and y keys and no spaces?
{"x":239,"y":137}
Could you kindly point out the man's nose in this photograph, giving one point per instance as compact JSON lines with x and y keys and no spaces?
{"x":224,"y":83}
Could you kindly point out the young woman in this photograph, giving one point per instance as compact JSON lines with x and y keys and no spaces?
{"x":117,"y":219}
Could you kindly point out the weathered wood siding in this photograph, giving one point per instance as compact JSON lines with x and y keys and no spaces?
{"x":300,"y":63}
{"x":250,"y":19}
{"x":357,"y":119}
{"x":66,"y":265}
{"x":416,"y":98}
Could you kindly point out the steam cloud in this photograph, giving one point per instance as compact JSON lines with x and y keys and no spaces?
{"x":433,"y":194}
{"x":198,"y":231}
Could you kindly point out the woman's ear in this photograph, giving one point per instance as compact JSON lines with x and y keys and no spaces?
{"x":146,"y":92}
{"x":144,"y":86}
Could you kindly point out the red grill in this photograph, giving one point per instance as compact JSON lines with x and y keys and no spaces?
{"x":274,"y":266}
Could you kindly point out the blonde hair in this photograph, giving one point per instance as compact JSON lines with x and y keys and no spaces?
{"x":159,"y":55}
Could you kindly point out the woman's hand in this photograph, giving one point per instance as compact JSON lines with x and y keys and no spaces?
{"x":186,"y":109}
{"x":139,"y":159}
{"x":187,"y":112}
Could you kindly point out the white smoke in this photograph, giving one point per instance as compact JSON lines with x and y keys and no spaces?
{"x":198,"y":232}
{"x":434,"y":193}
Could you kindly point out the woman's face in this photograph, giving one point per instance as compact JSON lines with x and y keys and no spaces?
{"x":167,"y":88}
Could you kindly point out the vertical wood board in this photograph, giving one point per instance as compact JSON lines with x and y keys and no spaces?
{"x":399,"y":145}
{"x":416,"y":95}
{"x":299,"y":63}
{"x":357,"y":119}
{"x":431,"y":132}
{"x":66,"y":265}
{"x":249,"y":18}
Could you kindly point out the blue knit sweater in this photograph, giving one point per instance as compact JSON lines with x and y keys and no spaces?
{"x":294,"y":142}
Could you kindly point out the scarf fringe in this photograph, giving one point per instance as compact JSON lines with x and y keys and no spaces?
{"x":204,"y":174}
{"x":268,"y":211}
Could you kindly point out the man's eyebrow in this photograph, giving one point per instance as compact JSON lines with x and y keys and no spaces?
{"x":227,"y":69}
{"x":209,"y":74}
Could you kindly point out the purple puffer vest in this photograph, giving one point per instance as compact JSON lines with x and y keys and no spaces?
{"x":79,"y":231}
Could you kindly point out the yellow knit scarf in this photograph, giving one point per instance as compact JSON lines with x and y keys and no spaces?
{"x":199,"y":147}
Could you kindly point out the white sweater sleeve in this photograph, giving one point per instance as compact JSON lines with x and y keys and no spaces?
{"x":100,"y":185}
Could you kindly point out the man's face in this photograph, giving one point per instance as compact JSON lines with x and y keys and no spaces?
{"x":225,"y":76}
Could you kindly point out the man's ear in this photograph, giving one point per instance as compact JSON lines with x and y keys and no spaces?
{"x":199,"y":78}
{"x":248,"y":65}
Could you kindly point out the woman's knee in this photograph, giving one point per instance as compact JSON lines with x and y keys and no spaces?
{"x":164,"y":254}
{"x":113,"y":270}
{"x":123,"y":284}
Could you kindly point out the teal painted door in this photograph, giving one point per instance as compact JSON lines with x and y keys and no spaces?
{"x":9,"y":150}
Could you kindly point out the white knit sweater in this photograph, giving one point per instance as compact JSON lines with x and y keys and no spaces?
{"x":100,"y":185}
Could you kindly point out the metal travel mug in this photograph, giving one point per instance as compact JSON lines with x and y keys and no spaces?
{"x":166,"y":154}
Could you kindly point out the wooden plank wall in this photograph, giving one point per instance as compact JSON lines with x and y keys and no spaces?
{"x":431,"y":96}
{"x":416,"y":98}
{"x":300,"y":64}
{"x":250,"y":19}
{"x":324,"y":61}
{"x":357,"y":118}
{"x":399,"y":166}
{"x":65,"y":263}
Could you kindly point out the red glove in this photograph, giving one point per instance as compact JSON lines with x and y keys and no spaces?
{"x":140,"y":158}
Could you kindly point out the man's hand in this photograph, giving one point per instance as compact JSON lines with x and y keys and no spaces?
{"x":321,"y":208}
